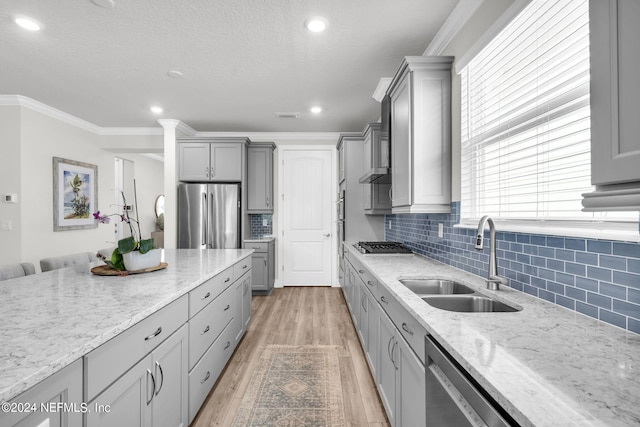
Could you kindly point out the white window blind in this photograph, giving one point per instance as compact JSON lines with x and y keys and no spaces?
{"x":525,"y":119}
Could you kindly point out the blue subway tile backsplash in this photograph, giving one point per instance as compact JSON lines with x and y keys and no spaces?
{"x":261,"y":225}
{"x":598,"y":278}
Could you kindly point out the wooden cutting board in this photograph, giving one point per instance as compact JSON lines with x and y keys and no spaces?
{"x":105,"y":270}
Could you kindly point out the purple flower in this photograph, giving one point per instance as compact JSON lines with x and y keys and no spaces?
{"x":101,"y":219}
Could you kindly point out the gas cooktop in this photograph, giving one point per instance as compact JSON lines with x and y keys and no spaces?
{"x":382,"y":248}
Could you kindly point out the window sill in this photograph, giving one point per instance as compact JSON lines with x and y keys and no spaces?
{"x":625,"y":233}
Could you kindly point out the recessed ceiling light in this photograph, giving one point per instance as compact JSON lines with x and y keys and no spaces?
{"x":317,"y":24}
{"x":316,"y":109}
{"x":27,"y":23}
{"x":107,"y":4}
{"x":175,"y":74}
{"x":156,"y":110}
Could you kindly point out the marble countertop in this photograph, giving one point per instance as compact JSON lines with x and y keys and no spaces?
{"x":49,"y":320}
{"x":260,"y":240}
{"x":545,"y":365}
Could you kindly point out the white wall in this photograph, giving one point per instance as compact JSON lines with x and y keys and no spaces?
{"x":30,"y":140}
{"x":10,"y":182}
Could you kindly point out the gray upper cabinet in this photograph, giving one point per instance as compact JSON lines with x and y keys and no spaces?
{"x":421,"y":135}
{"x":615,"y":102}
{"x":260,"y":177}
{"x":376,"y":155}
{"x":211,"y":160}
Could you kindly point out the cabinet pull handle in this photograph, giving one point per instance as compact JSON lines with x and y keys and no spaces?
{"x":369,"y":283}
{"x":158,"y":366}
{"x":150,"y":374}
{"x":389,"y":350}
{"x":206,"y":377}
{"x":244,"y":267}
{"x":227,"y":279}
{"x":364,"y":306}
{"x":267,"y":201}
{"x":384,"y":300}
{"x":228,"y":345}
{"x":406,"y":328}
{"x":155,"y":334}
{"x":393,"y":350}
{"x":205,"y":330}
{"x":265,"y":262}
{"x":227,"y":307}
{"x":361,"y":271}
{"x":208,"y":294}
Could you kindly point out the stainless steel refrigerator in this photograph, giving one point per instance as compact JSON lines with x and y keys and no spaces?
{"x":208,"y":216}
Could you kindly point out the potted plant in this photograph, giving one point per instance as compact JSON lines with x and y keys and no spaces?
{"x":133,"y":253}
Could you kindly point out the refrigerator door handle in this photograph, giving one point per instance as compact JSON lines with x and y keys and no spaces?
{"x":205,"y":218}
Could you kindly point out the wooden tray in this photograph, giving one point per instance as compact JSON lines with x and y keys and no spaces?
{"x":105,"y":270}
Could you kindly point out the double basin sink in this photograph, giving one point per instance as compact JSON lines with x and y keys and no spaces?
{"x":454,"y":296}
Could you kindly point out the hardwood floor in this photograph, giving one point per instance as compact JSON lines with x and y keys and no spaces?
{"x":297,"y":316}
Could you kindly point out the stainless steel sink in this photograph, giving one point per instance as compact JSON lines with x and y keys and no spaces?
{"x":435,"y":287}
{"x":468,"y":304}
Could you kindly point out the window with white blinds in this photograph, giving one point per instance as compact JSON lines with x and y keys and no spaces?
{"x":525,"y":119}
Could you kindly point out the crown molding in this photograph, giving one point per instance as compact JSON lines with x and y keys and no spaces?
{"x":37,"y":106}
{"x":452,"y":25}
{"x":282,"y":136}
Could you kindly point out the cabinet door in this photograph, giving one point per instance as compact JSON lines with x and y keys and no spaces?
{"x":341,"y":162}
{"x":615,"y":92}
{"x":367,"y":151}
{"x":259,"y":275}
{"x":238,"y":323}
{"x":363,"y":321}
{"x":170,"y":400}
{"x":128,"y":399}
{"x":226,"y":162}
{"x":194,"y":161}
{"x":411,"y":387}
{"x":401,"y":173}
{"x":246,"y":301}
{"x":373,"y":352}
{"x":260,"y":180}
{"x":271,"y":265}
{"x":62,"y":387}
{"x":387,"y":354}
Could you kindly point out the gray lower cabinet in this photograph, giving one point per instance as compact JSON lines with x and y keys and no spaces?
{"x":262,"y":266}
{"x":392,"y":341}
{"x":242,"y":316}
{"x":152,"y":393}
{"x":62,"y":387}
{"x":260,"y":177}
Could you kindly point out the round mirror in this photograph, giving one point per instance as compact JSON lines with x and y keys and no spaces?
{"x":159,"y":207}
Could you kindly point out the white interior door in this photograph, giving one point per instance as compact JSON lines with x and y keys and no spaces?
{"x":307,"y":220}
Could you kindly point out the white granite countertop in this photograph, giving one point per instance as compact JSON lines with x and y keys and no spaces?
{"x":260,"y":240}
{"x":51,"y":319}
{"x":545,"y":365}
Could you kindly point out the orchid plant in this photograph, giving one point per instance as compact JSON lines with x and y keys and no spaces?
{"x":132,"y":243}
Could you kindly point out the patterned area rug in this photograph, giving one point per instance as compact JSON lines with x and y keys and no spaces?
{"x":294,"y":386}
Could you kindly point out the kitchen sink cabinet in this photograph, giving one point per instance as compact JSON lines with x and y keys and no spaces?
{"x":211,"y":159}
{"x":62,"y":387}
{"x":262,"y":266}
{"x":410,"y":387}
{"x":152,"y":393}
{"x":615,"y":102}
{"x":420,"y":95}
{"x":260,"y":177}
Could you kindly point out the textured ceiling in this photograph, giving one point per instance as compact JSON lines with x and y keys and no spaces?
{"x":242,"y":60}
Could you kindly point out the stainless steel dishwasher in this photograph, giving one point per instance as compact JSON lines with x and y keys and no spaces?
{"x":453,"y":398}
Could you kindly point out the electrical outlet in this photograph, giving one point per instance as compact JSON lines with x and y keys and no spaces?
{"x":389,"y":225}
{"x":441,"y":230}
{"x":265,"y":222}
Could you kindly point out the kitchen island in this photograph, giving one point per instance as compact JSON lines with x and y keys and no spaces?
{"x":49,"y":321}
{"x":544,"y":365}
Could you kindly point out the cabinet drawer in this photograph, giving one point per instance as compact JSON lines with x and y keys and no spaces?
{"x":365,"y":275}
{"x":258,"y":246}
{"x":412,"y":331}
{"x":205,"y":326}
{"x":241,"y":267}
{"x":209,"y":290}
{"x":206,"y":372}
{"x":106,"y":363}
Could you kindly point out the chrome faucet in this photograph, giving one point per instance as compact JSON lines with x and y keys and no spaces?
{"x":493,"y":280}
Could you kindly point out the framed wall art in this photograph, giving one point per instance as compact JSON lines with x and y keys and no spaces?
{"x":75,"y":194}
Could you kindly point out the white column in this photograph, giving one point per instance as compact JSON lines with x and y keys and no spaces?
{"x":170,"y":183}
